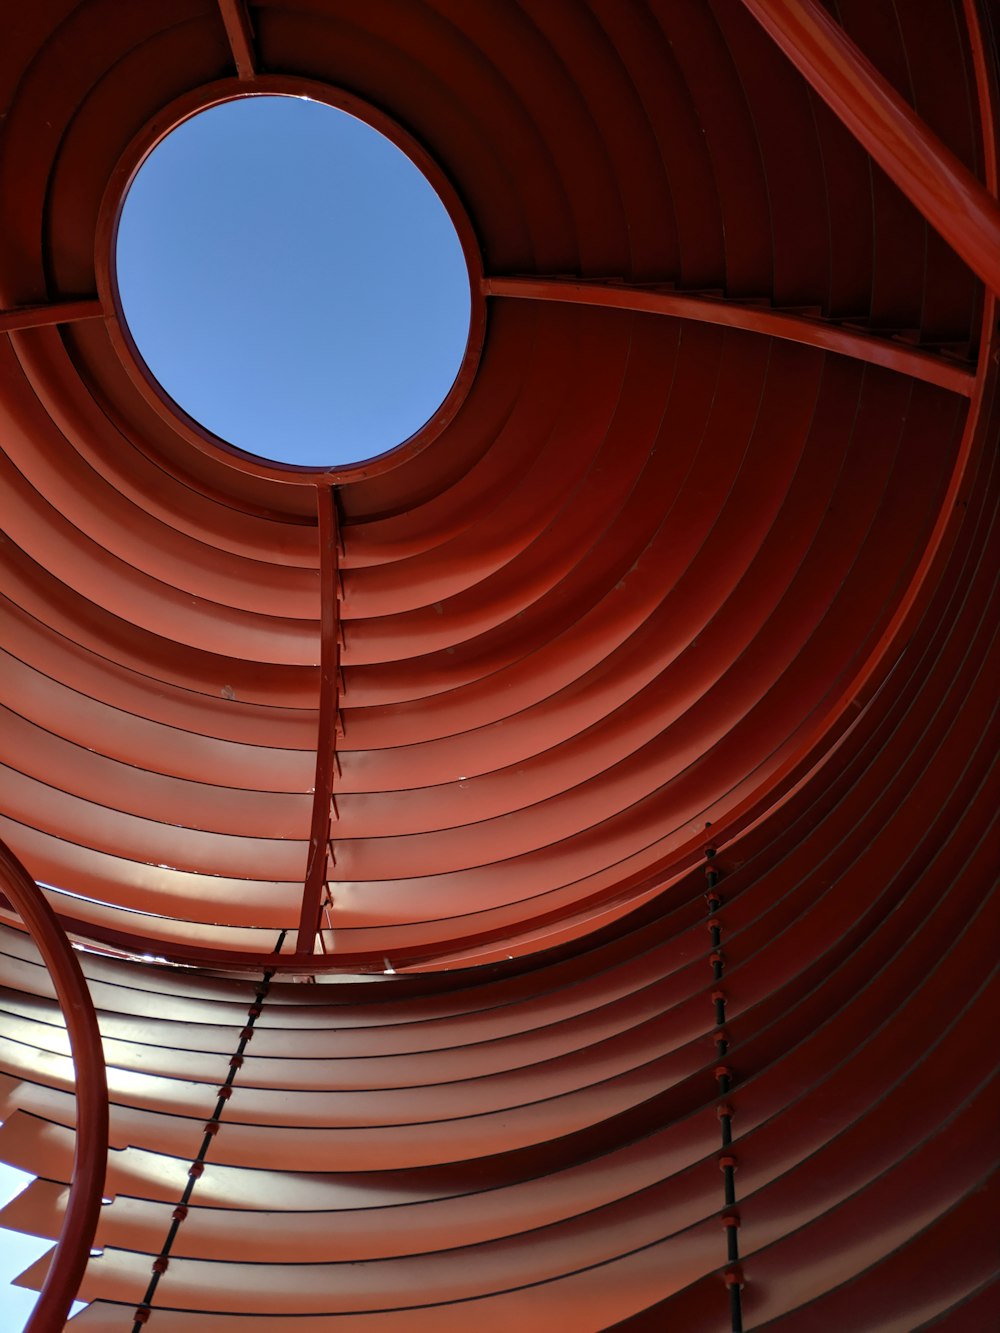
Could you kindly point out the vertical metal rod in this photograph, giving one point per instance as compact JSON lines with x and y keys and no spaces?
{"x":314,"y":888}
{"x":726,"y":1121}
{"x":723,"y":1076}
{"x":729,"y":1185}
{"x":735,"y":1308}
{"x":732,"y":1245}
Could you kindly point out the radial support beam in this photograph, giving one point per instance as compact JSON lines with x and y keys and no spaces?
{"x":326,"y":738}
{"x":58,"y":312}
{"x":90,"y":1159}
{"x":754,"y":319}
{"x":948,"y":195}
{"x":239,"y":32}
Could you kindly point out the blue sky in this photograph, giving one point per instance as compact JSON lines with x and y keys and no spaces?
{"x":294,"y":282}
{"x":16,"y":1253}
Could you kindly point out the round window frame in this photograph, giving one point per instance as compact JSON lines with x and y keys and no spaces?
{"x":143,"y":379}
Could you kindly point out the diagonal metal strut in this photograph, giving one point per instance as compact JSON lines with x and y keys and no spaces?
{"x":239,"y":33}
{"x":945,"y":191}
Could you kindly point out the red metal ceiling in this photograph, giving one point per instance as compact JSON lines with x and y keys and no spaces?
{"x":697,"y":559}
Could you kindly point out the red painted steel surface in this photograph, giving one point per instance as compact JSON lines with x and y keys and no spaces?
{"x":732,"y":315}
{"x":319,"y":867}
{"x":945,"y":191}
{"x":83,"y":1206}
{"x":57,"y":312}
{"x":698,"y":556}
{"x":239,"y":34}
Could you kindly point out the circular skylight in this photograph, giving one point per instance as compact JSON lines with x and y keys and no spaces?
{"x":293,"y":281}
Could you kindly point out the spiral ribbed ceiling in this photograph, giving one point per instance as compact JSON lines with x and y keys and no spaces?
{"x":692,"y":573}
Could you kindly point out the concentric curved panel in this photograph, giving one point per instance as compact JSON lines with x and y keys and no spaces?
{"x":571,"y":835}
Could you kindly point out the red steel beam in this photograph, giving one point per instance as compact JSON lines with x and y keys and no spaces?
{"x":981,"y":67}
{"x":90,"y":1158}
{"x":326,"y":739}
{"x":947,"y":194}
{"x":239,"y":33}
{"x":58,"y":312}
{"x":754,"y":319}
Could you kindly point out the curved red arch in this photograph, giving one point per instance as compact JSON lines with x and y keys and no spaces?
{"x":90,"y":1158}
